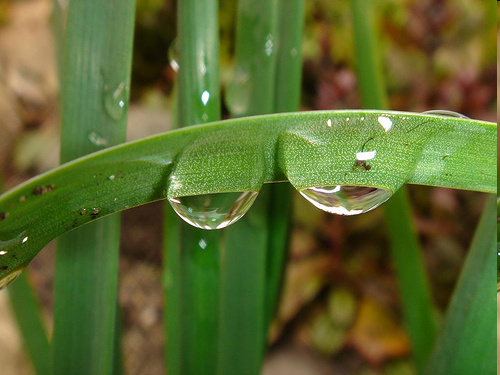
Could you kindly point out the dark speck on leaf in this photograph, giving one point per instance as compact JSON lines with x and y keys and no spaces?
{"x":4,"y":215}
{"x":44,"y":189}
{"x":4,"y":268}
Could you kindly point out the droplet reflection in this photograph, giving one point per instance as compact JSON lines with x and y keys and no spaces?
{"x":213,"y":211}
{"x":346,"y":200}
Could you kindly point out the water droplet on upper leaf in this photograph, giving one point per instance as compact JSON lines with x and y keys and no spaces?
{"x":10,"y":277}
{"x":115,"y":101}
{"x":97,"y":139}
{"x":269,"y":45}
{"x":213,"y":211}
{"x":445,"y":113}
{"x":346,"y":200}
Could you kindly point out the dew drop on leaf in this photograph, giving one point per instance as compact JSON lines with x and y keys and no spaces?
{"x":213,"y":211}
{"x":346,"y":200}
{"x":173,"y":53}
{"x":445,"y":113}
{"x":115,"y":101}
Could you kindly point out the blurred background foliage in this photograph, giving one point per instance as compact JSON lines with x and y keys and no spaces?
{"x":340,"y":309}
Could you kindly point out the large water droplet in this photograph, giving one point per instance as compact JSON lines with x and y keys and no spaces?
{"x":9,"y":278}
{"x":115,"y":101}
{"x":213,"y":211}
{"x":445,"y":113}
{"x":346,"y":200}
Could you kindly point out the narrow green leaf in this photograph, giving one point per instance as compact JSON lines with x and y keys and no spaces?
{"x":467,"y":341}
{"x":287,"y":98}
{"x":95,"y":87}
{"x":405,"y":248}
{"x":289,"y":145}
{"x":243,"y":284}
{"x":28,"y":316}
{"x":192,"y":255}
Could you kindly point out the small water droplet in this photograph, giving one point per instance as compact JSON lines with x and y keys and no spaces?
{"x":24,"y":239}
{"x":386,"y":123}
{"x":95,"y":211}
{"x":293,"y":52}
{"x":445,"y":113}
{"x":173,"y":53}
{"x":213,"y":211}
{"x":97,"y":139}
{"x":10,"y":277}
{"x":112,"y":177}
{"x":83,"y":211}
{"x":329,"y":123}
{"x":115,"y":101}
{"x":202,"y":244}
{"x":43,"y":189}
{"x":3,"y":252}
{"x":362,"y":119}
{"x":22,"y":198}
{"x":269,"y":45}
{"x":446,"y":155}
{"x":205,"y":96}
{"x":346,"y":200}
{"x":348,"y":119}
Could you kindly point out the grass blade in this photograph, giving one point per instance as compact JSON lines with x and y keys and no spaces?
{"x":467,"y":341}
{"x":27,"y":312}
{"x":191,"y":269}
{"x":243,"y":283}
{"x":28,"y":316}
{"x":287,"y":99}
{"x":96,"y":74}
{"x":415,"y":292}
{"x":288,"y":145}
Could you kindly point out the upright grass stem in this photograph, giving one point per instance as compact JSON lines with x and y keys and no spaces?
{"x":191,"y":270}
{"x":95,"y":87}
{"x":408,"y":261}
{"x":467,"y":341}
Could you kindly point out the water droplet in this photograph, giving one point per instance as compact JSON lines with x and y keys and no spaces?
{"x":115,"y":101}
{"x":44,"y":189}
{"x":95,"y":211}
{"x":24,"y":239}
{"x":97,"y":139}
{"x":112,"y":177}
{"x":10,"y":277}
{"x":3,"y":252}
{"x":205,"y":96}
{"x":202,"y":244}
{"x":329,"y":123}
{"x":293,"y":52}
{"x":269,"y":45}
{"x":213,"y":211}
{"x":22,"y":198}
{"x":386,"y":123}
{"x":173,"y":53}
{"x":445,"y":113}
{"x":83,"y":211}
{"x":346,"y":200}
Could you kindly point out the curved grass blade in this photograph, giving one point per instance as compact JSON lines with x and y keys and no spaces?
{"x":192,"y":270}
{"x":95,"y":86}
{"x":405,"y":248}
{"x":467,"y":341}
{"x":136,"y":173}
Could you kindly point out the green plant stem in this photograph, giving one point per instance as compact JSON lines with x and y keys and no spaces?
{"x":192,"y":270}
{"x":467,"y":341}
{"x":95,"y":85}
{"x":243,"y":284}
{"x":406,"y":252}
{"x":287,"y":99}
{"x":26,"y":309}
